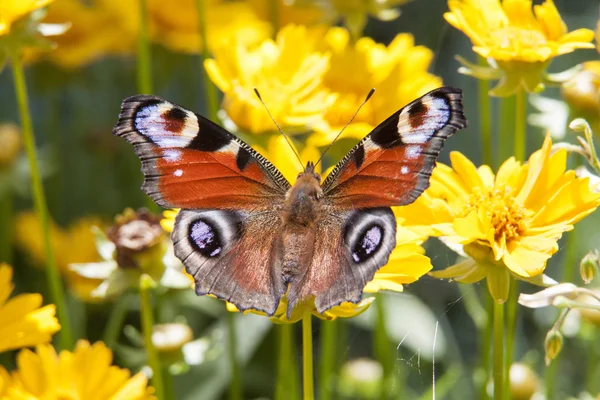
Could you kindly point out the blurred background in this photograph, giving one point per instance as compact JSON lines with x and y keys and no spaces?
{"x":75,"y":95}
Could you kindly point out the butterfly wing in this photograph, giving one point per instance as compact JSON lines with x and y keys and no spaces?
{"x":230,"y":255}
{"x":191,"y":162}
{"x":229,"y":194}
{"x":391,"y":166}
{"x":350,"y":246}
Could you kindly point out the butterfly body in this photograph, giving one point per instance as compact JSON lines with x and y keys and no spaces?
{"x":248,"y":236}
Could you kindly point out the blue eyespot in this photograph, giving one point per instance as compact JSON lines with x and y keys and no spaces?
{"x":205,"y":238}
{"x":368,"y":243}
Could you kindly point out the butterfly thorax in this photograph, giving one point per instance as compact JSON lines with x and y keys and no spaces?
{"x":303,"y":200}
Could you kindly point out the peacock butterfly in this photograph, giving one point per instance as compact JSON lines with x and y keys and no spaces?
{"x":248,"y":236}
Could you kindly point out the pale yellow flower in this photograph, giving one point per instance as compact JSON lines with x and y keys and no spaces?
{"x":513,"y":30}
{"x":288,"y":72}
{"x":12,"y":10}
{"x":398,"y":72}
{"x":176,"y":25}
{"x":508,"y":223}
{"x":84,"y":374}
{"x":72,"y":245}
{"x":23,"y":320}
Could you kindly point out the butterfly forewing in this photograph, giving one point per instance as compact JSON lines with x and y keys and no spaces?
{"x":191,"y":162}
{"x":392,"y":165}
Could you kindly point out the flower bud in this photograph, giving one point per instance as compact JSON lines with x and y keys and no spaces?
{"x":361,"y":378}
{"x":588,"y":314}
{"x":553,"y":344}
{"x":582,"y":91}
{"x":523,"y":381}
{"x":588,"y":268}
{"x":10,"y":144}
{"x":168,"y":338}
{"x":136,"y":234}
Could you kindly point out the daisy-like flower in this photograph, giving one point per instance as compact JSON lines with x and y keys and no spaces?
{"x":288,"y":72}
{"x":398,"y":72}
{"x":82,"y":44}
{"x":74,"y":244}
{"x":521,"y":39}
{"x":407,"y":262}
{"x":23,"y":320}
{"x":12,"y":10}
{"x":84,"y":374}
{"x":507,"y":224}
{"x":176,"y":26}
{"x":135,"y":245}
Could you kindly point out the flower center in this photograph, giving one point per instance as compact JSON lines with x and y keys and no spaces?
{"x":506,"y":215}
{"x":511,"y":37}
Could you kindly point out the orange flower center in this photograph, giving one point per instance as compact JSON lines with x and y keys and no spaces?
{"x":504,"y":213}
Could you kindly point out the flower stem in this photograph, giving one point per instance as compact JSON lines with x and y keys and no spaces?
{"x":511,"y":324}
{"x":115,"y":321}
{"x":570,"y":262}
{"x":327,"y":362}
{"x":486,"y":343}
{"x":146,"y":285}
{"x":498,"y":351}
{"x":520,"y":125}
{"x":485,"y":118}
{"x":6,"y":230}
{"x":235,"y":386}
{"x":55,"y":284}
{"x":307,"y":357}
{"x":144,"y":64}
{"x":287,"y":378}
{"x":382,"y":351}
{"x":274,"y":15}
{"x":210,"y":91}
{"x":505,"y":127}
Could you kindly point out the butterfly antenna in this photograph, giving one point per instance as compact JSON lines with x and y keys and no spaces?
{"x":345,"y":126}
{"x":287,"y":139}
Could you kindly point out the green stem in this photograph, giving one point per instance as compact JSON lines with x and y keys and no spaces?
{"x":485,"y":347}
{"x":55,"y":284}
{"x":485,"y":118}
{"x":382,"y":344}
{"x":274,"y":15}
{"x":307,"y":357}
{"x":144,"y":64}
{"x":511,"y":324}
{"x":210,"y":91}
{"x":235,"y":386}
{"x":327,"y":362}
{"x":146,"y":285}
{"x":287,"y":379}
{"x":520,"y":125}
{"x":115,"y":321}
{"x":6,"y":229}
{"x":498,"y":351}
{"x":505,"y":128}
{"x":168,"y":382}
{"x":570,"y":264}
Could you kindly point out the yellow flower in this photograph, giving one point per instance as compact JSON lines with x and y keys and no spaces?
{"x":407,"y":262}
{"x":23,"y":322}
{"x":10,"y":144}
{"x":72,"y":245}
{"x":84,"y":374}
{"x":508,"y":223}
{"x":398,"y":72}
{"x":12,"y":10}
{"x":512,"y":31}
{"x":288,"y":12}
{"x":288,"y":73}
{"x":520,"y":39}
{"x":87,"y":38}
{"x":176,"y":26}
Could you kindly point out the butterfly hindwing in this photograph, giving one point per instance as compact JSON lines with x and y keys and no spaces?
{"x":230,"y":255}
{"x":191,"y":162}
{"x":392,"y":165}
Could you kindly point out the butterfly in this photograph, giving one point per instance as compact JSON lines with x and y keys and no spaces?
{"x":249,"y":236}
